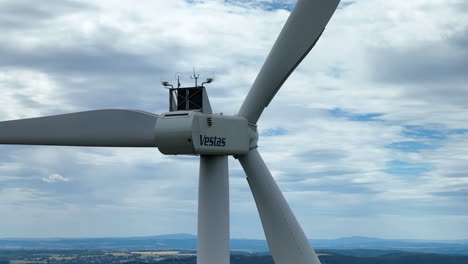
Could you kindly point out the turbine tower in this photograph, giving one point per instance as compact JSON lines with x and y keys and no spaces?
{"x":191,"y":128}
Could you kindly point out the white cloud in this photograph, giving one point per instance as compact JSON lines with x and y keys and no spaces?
{"x":55,"y":178}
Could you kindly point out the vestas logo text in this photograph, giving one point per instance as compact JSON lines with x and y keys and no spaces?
{"x":212,"y":141}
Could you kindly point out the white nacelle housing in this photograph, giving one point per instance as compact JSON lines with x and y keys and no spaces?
{"x":189,"y":132}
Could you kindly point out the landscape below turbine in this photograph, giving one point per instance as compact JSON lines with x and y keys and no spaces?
{"x":190,"y":127}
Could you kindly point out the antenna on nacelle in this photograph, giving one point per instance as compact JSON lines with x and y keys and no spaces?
{"x":195,"y":77}
{"x":178,"y":76}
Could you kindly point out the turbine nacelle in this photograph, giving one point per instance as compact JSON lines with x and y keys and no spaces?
{"x":196,"y":133}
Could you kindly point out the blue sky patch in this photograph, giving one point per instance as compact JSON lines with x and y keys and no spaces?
{"x":275,"y":6}
{"x":458,"y":131}
{"x":411,"y":146}
{"x":431,"y":133}
{"x":266,"y":5}
{"x":422,"y":132}
{"x":340,"y":113}
{"x":423,"y":138}
{"x":406,"y":168}
{"x":274,"y":132}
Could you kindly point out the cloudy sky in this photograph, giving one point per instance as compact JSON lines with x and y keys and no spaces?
{"x":369,"y":136}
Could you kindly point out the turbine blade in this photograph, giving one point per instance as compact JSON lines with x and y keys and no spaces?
{"x":213,"y":211}
{"x":103,"y":128}
{"x":298,"y":36}
{"x":286,"y":240}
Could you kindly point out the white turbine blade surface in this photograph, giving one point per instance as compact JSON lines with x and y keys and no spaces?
{"x":213,"y":211}
{"x":286,"y":240}
{"x":298,"y":36}
{"x":100,"y":128}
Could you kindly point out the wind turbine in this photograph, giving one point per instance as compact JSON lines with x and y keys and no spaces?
{"x":191,"y":128}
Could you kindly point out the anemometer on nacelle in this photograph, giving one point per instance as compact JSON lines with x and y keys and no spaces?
{"x":190,"y":127}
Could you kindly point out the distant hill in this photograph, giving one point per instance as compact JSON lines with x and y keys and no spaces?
{"x":397,"y":257}
{"x":187,"y":241}
{"x":171,"y":236}
{"x":445,"y":247}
